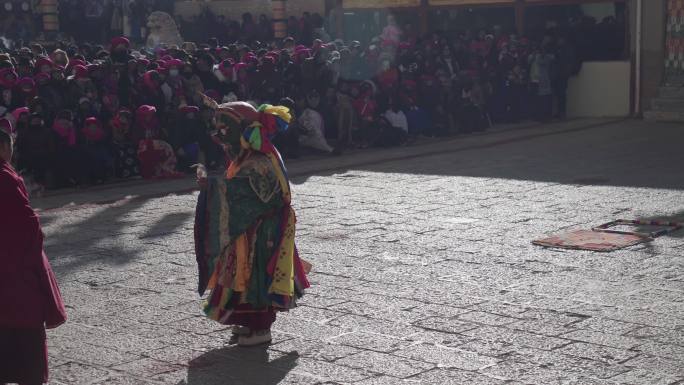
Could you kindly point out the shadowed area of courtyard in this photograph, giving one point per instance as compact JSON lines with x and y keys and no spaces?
{"x":629,"y":153}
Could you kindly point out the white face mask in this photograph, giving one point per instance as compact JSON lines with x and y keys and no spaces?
{"x":174,"y":72}
{"x":231,"y":97}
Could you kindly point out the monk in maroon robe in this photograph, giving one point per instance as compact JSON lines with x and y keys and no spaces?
{"x":30,"y":300}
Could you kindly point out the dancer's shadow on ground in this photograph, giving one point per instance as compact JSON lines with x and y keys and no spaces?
{"x":234,"y":365}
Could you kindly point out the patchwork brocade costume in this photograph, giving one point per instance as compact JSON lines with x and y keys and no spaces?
{"x":245,"y":224}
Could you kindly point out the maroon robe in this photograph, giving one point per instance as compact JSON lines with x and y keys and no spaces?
{"x":30,"y":299}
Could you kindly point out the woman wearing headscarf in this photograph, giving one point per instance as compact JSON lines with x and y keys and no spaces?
{"x":149,"y":91}
{"x":156,"y":156}
{"x":269,"y":80}
{"x":96,"y":149}
{"x":8,"y":80}
{"x":185,"y":136}
{"x":312,"y":126}
{"x":124,"y":150}
{"x":69,"y":161}
{"x":48,"y":92}
{"x":26,"y":90}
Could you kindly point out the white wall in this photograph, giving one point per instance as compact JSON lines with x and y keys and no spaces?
{"x":602,"y":89}
{"x":599,"y":10}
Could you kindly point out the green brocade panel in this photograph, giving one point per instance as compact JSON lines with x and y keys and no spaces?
{"x":245,"y":206}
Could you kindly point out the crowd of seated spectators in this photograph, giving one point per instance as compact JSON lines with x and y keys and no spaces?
{"x":86,"y":113}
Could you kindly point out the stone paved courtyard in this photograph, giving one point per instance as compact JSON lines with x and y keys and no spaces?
{"x":423,"y":274}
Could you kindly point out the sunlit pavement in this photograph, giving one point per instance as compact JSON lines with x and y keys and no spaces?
{"x":423,"y":271}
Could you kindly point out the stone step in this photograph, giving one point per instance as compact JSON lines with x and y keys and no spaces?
{"x":664,"y":116}
{"x":674,"y":80}
{"x":668,"y":92}
{"x":667,"y":104}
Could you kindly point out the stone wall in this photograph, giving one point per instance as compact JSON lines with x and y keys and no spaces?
{"x":652,"y":47}
{"x":233,"y":9}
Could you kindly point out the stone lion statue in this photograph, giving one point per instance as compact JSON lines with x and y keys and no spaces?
{"x":162,"y":30}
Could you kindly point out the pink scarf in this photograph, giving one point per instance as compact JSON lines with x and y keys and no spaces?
{"x":96,"y":134}
{"x":66,"y":132}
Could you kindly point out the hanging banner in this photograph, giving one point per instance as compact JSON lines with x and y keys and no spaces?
{"x":279,"y":18}
{"x":674,"y":41}
{"x":354,"y":4}
{"x":556,"y":2}
{"x":50,"y":18}
{"x":469,"y":2}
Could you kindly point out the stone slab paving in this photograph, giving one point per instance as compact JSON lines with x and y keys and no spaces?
{"x":423,"y":274}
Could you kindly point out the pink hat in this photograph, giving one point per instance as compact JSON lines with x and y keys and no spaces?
{"x":75,"y":62}
{"x":80,"y":72}
{"x":4,"y":73}
{"x":117,"y":41}
{"x":174,"y":63}
{"x":144,"y":111}
{"x":95,"y":135}
{"x":226,"y":67}
{"x":43,"y":61}
{"x":16,"y":114}
{"x":251,"y":59}
{"x":239,"y":66}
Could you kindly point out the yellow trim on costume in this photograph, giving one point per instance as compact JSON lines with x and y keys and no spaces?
{"x":283,"y":275}
{"x":242,"y":268}
{"x":226,"y":294}
{"x":224,"y":215}
{"x":213,"y":279}
{"x":284,"y":185}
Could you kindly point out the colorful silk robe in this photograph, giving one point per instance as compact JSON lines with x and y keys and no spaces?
{"x":244,"y":239}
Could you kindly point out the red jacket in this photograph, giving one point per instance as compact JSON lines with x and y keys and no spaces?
{"x":29,"y":295}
